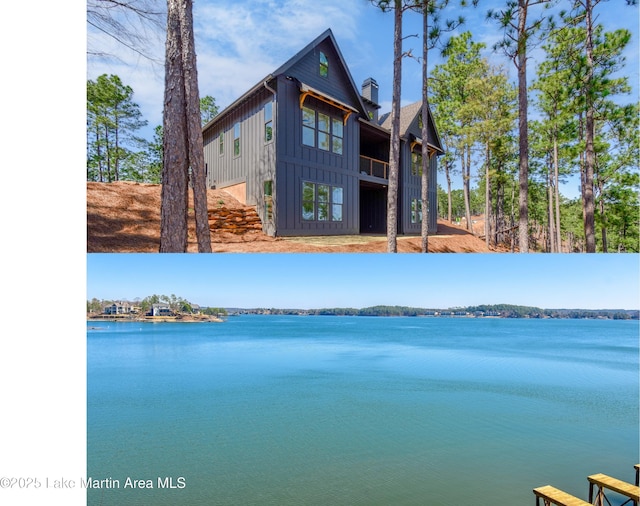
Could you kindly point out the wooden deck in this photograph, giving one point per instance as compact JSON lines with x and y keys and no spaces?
{"x":602,"y":481}
{"x":551,"y":495}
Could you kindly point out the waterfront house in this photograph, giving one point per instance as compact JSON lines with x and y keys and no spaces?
{"x":309,"y":150}
{"x":118,"y":308}
{"x":160,"y":309}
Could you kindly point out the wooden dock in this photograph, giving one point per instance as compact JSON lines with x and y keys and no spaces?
{"x":604,"y":482}
{"x":598,"y":483}
{"x":551,"y":495}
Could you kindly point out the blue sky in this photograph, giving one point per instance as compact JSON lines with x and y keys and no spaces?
{"x":306,"y":281}
{"x":239,"y":46}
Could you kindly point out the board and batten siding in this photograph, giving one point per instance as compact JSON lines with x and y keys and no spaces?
{"x":411,"y":188}
{"x":336,"y":84}
{"x":297,"y":163}
{"x":412,"y":185}
{"x":257,"y":159}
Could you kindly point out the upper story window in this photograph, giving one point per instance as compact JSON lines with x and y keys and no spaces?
{"x":322,"y":131}
{"x":268,"y":122}
{"x":416,"y":164}
{"x":221,"y":143}
{"x":336,"y":136}
{"x":308,"y":127}
{"x":236,"y":139}
{"x":324,"y":65}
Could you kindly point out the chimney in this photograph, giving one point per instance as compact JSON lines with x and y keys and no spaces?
{"x":370,"y":94}
{"x":370,"y":90}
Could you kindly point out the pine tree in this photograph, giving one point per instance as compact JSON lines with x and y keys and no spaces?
{"x":183,"y":151}
{"x":113,"y":119}
{"x":513,"y":19}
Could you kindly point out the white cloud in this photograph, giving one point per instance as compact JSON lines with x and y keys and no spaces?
{"x":236,"y":46}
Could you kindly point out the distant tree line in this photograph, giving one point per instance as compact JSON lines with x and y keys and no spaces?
{"x":495,"y":310}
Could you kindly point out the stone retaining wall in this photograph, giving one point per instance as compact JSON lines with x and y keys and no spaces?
{"x":237,"y":221}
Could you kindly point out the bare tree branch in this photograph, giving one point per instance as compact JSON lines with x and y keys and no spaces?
{"x":131,"y":23}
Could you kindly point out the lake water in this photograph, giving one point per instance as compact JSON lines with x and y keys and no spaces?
{"x":270,"y":410}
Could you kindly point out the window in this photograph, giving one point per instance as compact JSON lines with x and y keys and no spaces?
{"x":416,"y":164}
{"x":321,"y":130}
{"x":336,"y":128}
{"x":324,"y":65}
{"x":268,"y":200}
{"x":236,"y":139}
{"x":308,"y":127}
{"x":268,"y":122}
{"x":416,"y":211}
{"x":336,"y":203}
{"x":321,"y":202}
{"x":308,"y":201}
{"x":324,"y":131}
{"x":221,"y":149}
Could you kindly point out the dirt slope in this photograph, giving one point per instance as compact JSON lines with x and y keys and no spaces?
{"x":124,"y":217}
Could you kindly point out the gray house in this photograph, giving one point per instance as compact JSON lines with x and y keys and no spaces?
{"x":308,"y":149}
{"x":118,"y":308}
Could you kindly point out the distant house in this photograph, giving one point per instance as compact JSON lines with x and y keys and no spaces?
{"x":160,"y":309}
{"x":308,"y":149}
{"x":118,"y":308}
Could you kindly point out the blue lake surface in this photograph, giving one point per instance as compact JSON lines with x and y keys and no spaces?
{"x":318,"y":410}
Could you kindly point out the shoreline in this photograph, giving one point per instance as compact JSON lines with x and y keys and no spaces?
{"x":158,"y":319}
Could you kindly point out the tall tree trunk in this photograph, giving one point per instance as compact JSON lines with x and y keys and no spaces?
{"x":174,"y":206}
{"x":107,"y":150}
{"x":447,"y":174}
{"x":523,"y":238}
{"x":582,"y":165}
{"x":424,"y":190}
{"x":512,"y":216}
{"x":590,"y":156}
{"x":501,"y":224}
{"x":603,"y":217}
{"x":394,"y":151}
{"x":116,"y":165}
{"x":466,"y":183}
{"x":552,"y":231}
{"x":100,"y":167}
{"x":487,"y":198}
{"x":194,"y":127}
{"x":556,"y":181}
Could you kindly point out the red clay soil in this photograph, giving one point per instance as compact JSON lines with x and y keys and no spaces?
{"x":124,"y":217}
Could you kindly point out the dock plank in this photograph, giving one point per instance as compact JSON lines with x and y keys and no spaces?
{"x":615,"y":485}
{"x":558,"y":497}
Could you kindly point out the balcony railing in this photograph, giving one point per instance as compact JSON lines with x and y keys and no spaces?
{"x":373,"y":167}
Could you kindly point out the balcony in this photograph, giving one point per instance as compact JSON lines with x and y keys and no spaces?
{"x":373,"y":167}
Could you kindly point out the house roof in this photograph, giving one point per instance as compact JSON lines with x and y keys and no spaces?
{"x":284,"y":68}
{"x":408,"y":114}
